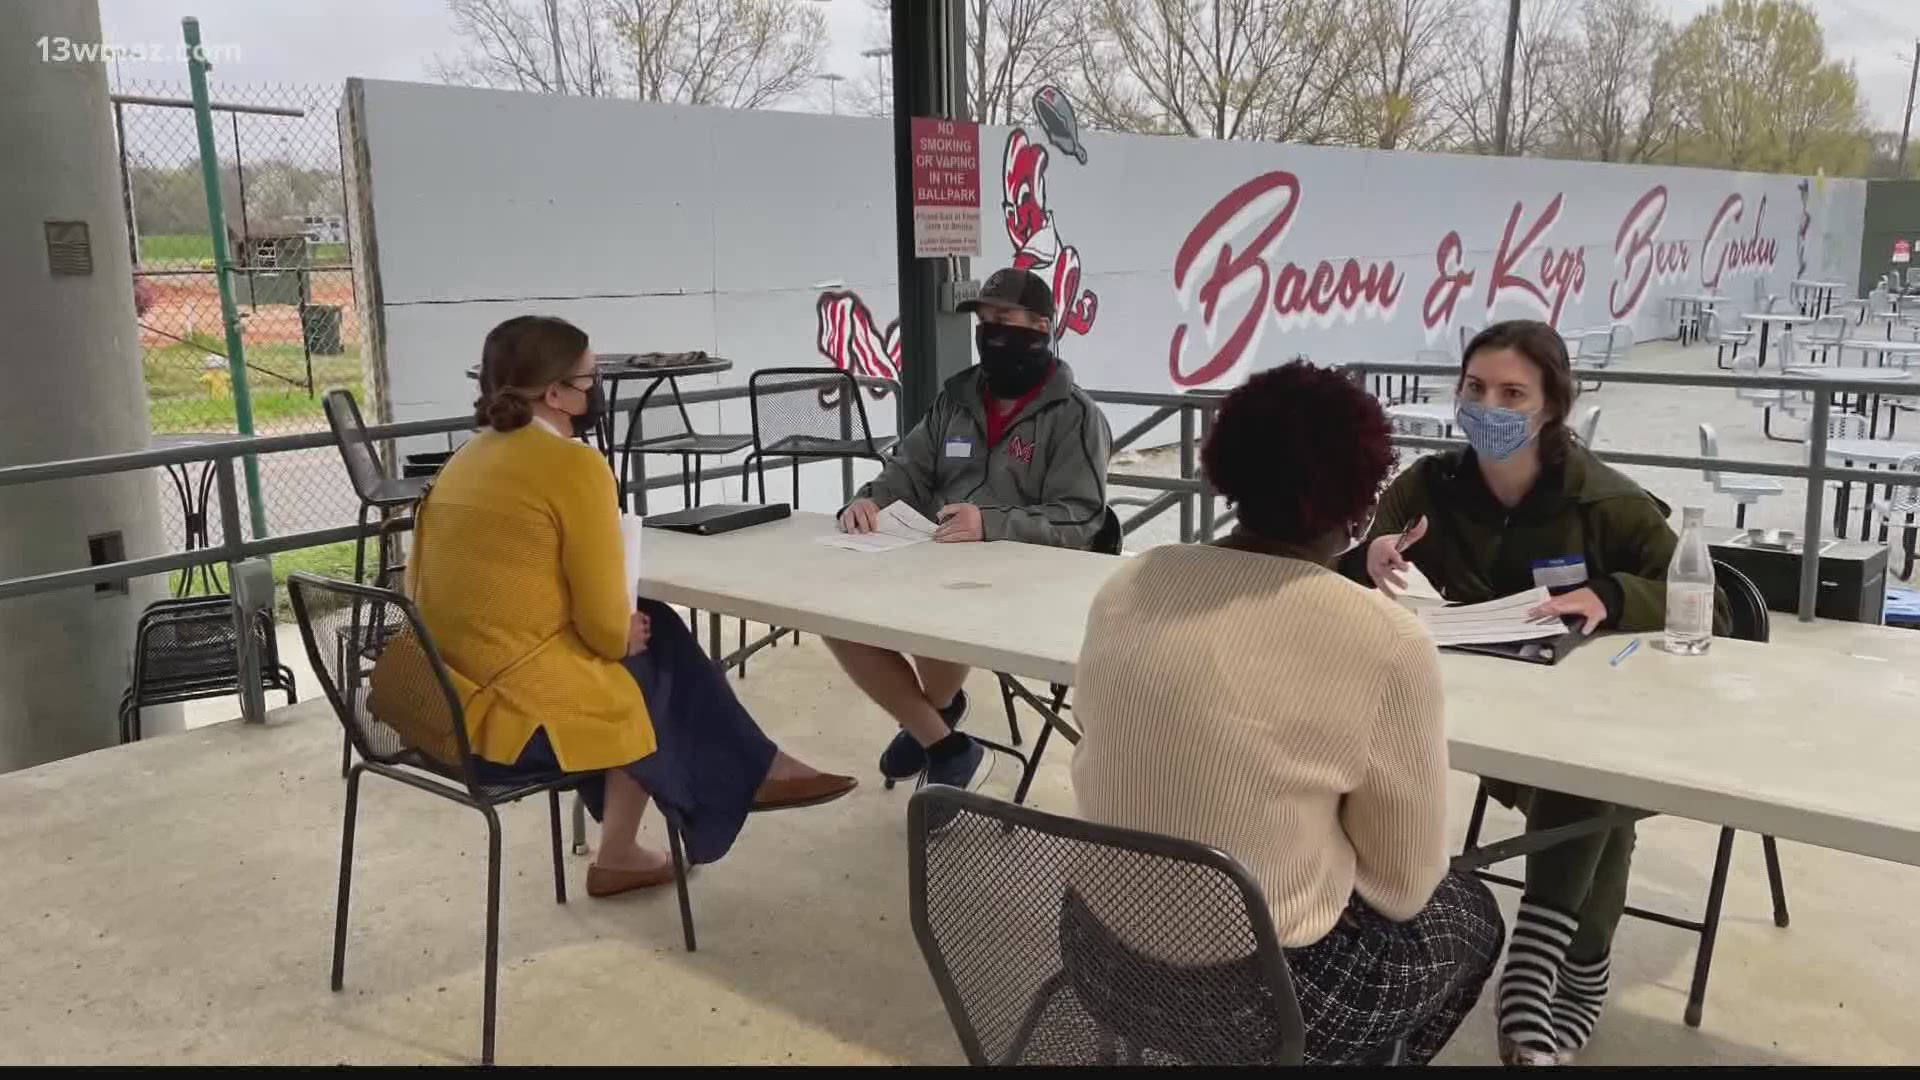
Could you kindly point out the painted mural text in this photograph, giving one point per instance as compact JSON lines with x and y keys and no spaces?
{"x":1641,"y":257}
{"x":1228,"y":268}
{"x":1209,"y":270}
{"x":1740,"y":253}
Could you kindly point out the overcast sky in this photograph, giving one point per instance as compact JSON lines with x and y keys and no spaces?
{"x":328,"y":40}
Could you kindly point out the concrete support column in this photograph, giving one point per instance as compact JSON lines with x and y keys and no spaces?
{"x":70,"y":386}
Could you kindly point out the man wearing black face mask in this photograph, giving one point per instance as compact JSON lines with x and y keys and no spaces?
{"x":1011,"y":450}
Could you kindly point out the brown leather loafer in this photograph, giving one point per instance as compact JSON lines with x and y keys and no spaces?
{"x":802,"y":791}
{"x":607,"y":881}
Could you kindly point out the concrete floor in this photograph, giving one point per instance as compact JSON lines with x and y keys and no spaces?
{"x":172,"y":902}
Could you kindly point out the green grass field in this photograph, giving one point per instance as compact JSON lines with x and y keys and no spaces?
{"x":187,"y":393}
{"x":197,"y":249}
{"x":331,"y":560}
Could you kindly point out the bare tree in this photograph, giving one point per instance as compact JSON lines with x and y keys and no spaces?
{"x":1403,"y":57}
{"x":1469,"y":93}
{"x":1223,"y":69}
{"x":734,"y":53}
{"x":738,"y":53}
{"x":1013,"y":48}
{"x":1618,"y":103}
{"x":508,"y":45}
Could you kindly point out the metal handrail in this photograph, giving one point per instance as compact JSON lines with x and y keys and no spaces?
{"x":1194,"y":409}
{"x":1816,"y":472}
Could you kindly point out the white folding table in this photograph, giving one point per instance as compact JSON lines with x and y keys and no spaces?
{"x":1811,"y":738}
{"x":1761,"y":737}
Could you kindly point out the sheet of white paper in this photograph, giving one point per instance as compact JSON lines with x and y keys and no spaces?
{"x":870,"y":541}
{"x":898,"y":526}
{"x":630,"y":533}
{"x":1490,"y":623}
{"x":1419,"y":591}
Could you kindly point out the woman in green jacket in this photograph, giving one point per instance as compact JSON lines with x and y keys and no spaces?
{"x":1526,"y":506}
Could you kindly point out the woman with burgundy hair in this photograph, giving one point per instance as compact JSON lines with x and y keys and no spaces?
{"x":1247,"y":696}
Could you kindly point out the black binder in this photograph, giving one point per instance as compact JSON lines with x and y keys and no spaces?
{"x":722,"y":518}
{"x":1539,"y":651}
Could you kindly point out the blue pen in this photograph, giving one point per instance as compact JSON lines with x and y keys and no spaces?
{"x":1621,"y":656}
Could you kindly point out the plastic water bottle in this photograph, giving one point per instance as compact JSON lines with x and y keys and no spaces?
{"x":1690,"y":588}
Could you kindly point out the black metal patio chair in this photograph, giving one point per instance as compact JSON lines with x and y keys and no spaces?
{"x":382,"y":496}
{"x":1055,"y":941}
{"x":1750,"y":622}
{"x":808,"y":414}
{"x":184,"y":649}
{"x":409,"y":726}
{"x":663,"y":428}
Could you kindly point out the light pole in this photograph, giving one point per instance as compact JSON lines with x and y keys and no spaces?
{"x":879,"y":57}
{"x":1503,"y":116}
{"x":833,"y":82}
{"x":553,"y":34}
{"x":1906,"y":126}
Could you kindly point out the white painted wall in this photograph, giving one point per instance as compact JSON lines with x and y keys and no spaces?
{"x":668,"y":228}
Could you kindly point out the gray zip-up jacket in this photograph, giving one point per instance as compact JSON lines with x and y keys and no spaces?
{"x":1044,"y":483}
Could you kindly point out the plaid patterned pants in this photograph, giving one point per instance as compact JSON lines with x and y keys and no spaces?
{"x":1372,"y":982}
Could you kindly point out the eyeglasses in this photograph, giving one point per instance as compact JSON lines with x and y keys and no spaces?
{"x":573,"y":382}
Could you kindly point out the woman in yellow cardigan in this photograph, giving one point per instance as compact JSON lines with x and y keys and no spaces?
{"x":517,"y":569}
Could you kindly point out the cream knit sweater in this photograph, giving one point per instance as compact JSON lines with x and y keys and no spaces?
{"x":1277,"y":711}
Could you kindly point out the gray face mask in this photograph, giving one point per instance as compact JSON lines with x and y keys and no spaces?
{"x":1495,"y":434}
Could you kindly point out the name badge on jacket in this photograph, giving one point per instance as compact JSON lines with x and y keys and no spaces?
{"x":1560,"y":575}
{"x":959,"y":448}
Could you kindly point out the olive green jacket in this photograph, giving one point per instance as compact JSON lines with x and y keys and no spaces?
{"x":1476,"y":549}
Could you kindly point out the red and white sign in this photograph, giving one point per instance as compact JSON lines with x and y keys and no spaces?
{"x":946,"y":188}
{"x":1902,"y":251}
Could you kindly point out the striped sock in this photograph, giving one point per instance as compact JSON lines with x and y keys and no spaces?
{"x":1531,"y":978}
{"x":1578,"y":1000}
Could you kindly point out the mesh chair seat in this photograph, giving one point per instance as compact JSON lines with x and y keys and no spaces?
{"x":185,"y":649}
{"x":1062,"y":942}
{"x":707,"y":445}
{"x":392,"y":491}
{"x":519,"y":789}
{"x":817,"y":446}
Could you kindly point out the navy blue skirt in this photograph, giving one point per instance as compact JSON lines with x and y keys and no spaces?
{"x":709,"y":756}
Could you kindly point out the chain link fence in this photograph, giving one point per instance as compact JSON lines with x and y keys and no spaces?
{"x":286,"y":238}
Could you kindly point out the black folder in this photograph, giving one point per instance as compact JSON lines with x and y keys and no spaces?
{"x":723,"y":518}
{"x":1539,"y":651}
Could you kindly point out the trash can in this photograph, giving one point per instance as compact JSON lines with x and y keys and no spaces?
{"x":320,"y":324}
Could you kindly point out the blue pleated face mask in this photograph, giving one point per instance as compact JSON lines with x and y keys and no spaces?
{"x":1495,"y":434}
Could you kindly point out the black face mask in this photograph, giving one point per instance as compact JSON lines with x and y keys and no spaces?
{"x":583,"y":423}
{"x":1014,"y":358}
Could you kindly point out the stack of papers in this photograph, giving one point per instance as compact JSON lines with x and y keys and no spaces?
{"x":899,"y":526}
{"x":630,"y":533}
{"x":1419,"y":592}
{"x":1495,"y":622}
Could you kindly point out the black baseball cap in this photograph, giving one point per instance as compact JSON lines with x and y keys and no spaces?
{"x":1022,"y":289}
